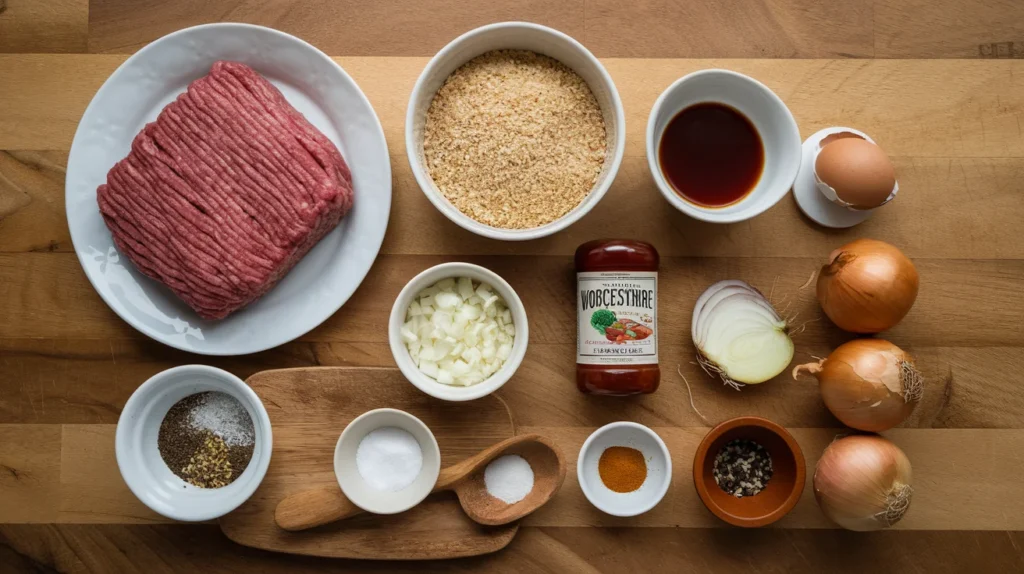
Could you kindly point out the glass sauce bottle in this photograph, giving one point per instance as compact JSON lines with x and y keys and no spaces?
{"x":616,"y":309}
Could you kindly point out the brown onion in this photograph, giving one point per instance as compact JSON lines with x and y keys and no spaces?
{"x":867,"y":286}
{"x":868,"y":384}
{"x":862,"y":483}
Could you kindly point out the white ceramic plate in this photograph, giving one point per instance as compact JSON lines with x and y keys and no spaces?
{"x":325,"y":278}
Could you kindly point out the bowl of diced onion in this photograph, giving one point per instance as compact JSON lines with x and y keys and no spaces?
{"x":458,"y":331}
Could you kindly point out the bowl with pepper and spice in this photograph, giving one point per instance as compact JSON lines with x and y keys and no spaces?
{"x":514,"y":131}
{"x":624,"y":469}
{"x":749,"y":471}
{"x":193,"y":442}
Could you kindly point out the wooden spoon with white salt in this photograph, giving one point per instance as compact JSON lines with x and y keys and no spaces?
{"x":326,"y":504}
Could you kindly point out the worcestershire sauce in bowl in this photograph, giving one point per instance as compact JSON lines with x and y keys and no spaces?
{"x":711,"y":155}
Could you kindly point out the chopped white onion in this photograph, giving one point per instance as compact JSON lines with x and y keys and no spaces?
{"x":458,"y":332}
{"x":738,"y":334}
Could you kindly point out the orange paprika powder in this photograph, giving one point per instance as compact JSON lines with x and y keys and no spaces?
{"x":622,"y":469}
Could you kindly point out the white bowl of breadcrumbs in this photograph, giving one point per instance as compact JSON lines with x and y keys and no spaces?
{"x":514,"y":131}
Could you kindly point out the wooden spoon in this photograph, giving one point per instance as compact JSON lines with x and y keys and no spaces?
{"x":327,"y":504}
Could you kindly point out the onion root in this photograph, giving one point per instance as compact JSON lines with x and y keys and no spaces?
{"x":913,"y":382}
{"x":713,"y":371}
{"x":897,"y":504}
{"x":679,"y":369}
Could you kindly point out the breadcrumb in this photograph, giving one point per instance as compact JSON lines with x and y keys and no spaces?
{"x":514,"y":139}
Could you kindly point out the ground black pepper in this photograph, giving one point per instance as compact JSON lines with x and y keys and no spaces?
{"x":196,"y":455}
{"x":742,"y":468}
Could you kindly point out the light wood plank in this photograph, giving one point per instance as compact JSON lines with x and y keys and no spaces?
{"x":730,"y":29}
{"x":309,"y":408}
{"x":44,"y":25}
{"x":940,"y":108}
{"x":32,"y":215}
{"x":927,"y":220}
{"x":767,"y":550}
{"x":105,"y":548}
{"x":66,"y":93}
{"x":29,"y":473}
{"x":88,"y":381}
{"x":91,"y":487}
{"x":47,"y":295}
{"x":951,"y":482}
{"x":964,"y":388}
{"x":345,"y":27}
{"x":956,"y":488}
{"x":952,"y":127}
{"x":948,"y":29}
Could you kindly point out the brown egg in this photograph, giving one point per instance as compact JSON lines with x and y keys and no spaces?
{"x":858,"y":170}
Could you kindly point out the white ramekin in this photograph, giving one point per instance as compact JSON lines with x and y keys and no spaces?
{"x":401,"y":352}
{"x":769,"y":114}
{"x":355,"y":487}
{"x":516,"y":36}
{"x":656,"y":456}
{"x":138,"y":456}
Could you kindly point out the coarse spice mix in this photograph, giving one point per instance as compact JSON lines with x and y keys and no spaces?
{"x":200,"y":456}
{"x":514,"y":139}
{"x":742,"y":468}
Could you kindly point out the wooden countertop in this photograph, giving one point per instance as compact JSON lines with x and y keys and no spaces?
{"x":952,"y":126}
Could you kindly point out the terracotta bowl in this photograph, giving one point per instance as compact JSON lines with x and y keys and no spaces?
{"x":778,"y":497}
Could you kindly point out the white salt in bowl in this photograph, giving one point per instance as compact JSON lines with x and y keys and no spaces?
{"x":515,"y":36}
{"x":401,"y":353}
{"x":144,"y":470}
{"x":358,"y":490}
{"x":656,"y":455}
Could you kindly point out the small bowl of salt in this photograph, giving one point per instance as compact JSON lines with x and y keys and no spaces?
{"x":387,"y":461}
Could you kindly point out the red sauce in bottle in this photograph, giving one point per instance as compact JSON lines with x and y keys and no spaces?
{"x":617,"y":304}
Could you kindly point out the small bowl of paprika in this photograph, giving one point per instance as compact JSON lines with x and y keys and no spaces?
{"x":624,"y":469}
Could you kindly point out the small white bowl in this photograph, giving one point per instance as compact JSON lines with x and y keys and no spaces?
{"x":769,"y":114}
{"x":659,"y":469}
{"x":401,"y":352}
{"x":351,"y":482}
{"x":138,"y":456}
{"x":514,"y":36}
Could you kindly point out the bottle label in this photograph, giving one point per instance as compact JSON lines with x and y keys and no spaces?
{"x":617,"y":313}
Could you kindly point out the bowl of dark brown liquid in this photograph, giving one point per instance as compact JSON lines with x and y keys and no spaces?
{"x":721,"y":146}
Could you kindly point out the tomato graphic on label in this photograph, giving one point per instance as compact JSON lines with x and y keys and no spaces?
{"x":620,"y":330}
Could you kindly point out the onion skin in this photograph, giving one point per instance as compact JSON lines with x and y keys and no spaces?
{"x":863,"y":483}
{"x":868,"y":384}
{"x":867,"y":286}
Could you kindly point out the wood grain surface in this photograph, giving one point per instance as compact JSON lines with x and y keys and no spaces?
{"x":308,"y":409}
{"x":950,"y":117}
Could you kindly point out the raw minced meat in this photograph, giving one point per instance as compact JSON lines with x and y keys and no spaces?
{"x":227,"y":190}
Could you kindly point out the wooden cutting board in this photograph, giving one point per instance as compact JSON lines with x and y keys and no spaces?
{"x":323,"y":401}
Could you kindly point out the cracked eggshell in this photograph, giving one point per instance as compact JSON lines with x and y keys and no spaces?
{"x":854,"y":172}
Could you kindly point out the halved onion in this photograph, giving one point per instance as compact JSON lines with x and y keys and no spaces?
{"x":738,"y":334}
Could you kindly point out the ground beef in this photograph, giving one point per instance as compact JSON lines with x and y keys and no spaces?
{"x":225,"y":191}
